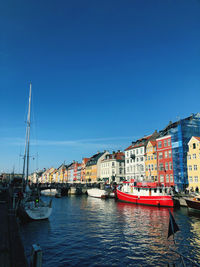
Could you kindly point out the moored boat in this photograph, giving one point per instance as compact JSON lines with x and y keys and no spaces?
{"x":96,"y":192}
{"x":31,"y":205}
{"x":49,"y":192}
{"x":193,"y":203}
{"x":145,"y":194}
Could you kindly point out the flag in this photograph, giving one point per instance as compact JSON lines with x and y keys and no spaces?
{"x":173,"y":227}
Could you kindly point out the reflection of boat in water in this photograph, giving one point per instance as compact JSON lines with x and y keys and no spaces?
{"x":145,"y":194}
{"x":193,"y":203}
{"x":31,"y":205}
{"x":98,"y":193}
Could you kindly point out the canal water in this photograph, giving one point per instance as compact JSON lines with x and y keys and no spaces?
{"x":84,"y":231}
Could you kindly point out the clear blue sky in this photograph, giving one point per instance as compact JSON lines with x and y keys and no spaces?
{"x":103,"y":73}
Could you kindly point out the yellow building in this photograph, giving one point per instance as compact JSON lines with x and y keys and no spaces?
{"x":193,"y":163}
{"x":93,"y":167}
{"x":151,"y":162}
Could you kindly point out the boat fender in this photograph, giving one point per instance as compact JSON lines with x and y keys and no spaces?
{"x":138,"y":197}
{"x":158,"y":203}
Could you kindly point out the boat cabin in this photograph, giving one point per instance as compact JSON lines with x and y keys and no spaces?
{"x":146,"y":189}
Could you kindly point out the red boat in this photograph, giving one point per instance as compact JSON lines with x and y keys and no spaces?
{"x":145,"y":194}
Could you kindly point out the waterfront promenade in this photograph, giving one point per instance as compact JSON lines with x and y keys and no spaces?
{"x":11,"y":247}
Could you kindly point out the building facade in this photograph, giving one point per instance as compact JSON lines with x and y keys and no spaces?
{"x":151,"y":172}
{"x":93,"y":167}
{"x":193,"y":164}
{"x":135,"y":158}
{"x":165,"y":160}
{"x":181,"y":133}
{"x":113,"y":167}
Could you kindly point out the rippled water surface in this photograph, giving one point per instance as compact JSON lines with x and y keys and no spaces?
{"x":86,"y":231}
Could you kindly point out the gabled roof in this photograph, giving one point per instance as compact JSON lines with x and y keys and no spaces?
{"x":197,"y":137}
{"x":142,"y":141}
{"x":93,"y":160}
{"x":115,"y":155}
{"x":153,"y":142}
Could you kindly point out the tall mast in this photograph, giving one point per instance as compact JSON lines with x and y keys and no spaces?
{"x":28,"y":133}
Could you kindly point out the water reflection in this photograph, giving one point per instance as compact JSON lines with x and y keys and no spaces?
{"x":92,"y":232}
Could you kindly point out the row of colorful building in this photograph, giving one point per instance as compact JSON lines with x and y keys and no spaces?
{"x":170,"y":157}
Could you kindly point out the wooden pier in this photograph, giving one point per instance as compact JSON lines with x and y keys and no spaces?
{"x":11,"y":247}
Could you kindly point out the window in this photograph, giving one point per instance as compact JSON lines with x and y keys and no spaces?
{"x":152,"y":167}
{"x":159,"y":144}
{"x":161,"y":178}
{"x":155,"y":157}
{"x":113,"y":164}
{"x":165,"y":143}
{"x":171,"y":178}
{"x":127,"y":154}
{"x":141,"y":159}
{"x":136,"y":151}
{"x":161,"y":167}
{"x":137,"y":159}
{"x":196,"y":179}
{"x":195,"y":167}
{"x":155,"y":167}
{"x":165,"y":154}
{"x":148,"y":157}
{"x":127,"y":161}
{"x":189,"y":156}
{"x":194,"y":156}
{"x":141,"y":150}
{"x":190,"y":179}
{"x":166,"y":166}
{"x":194,"y":145}
{"x":167,"y":178}
{"x":170,"y":165}
{"x":170,"y":153}
{"x":127,"y":169}
{"x":160,"y":155}
{"x":169,"y":142}
{"x":152,"y":157}
{"x":190,"y":167}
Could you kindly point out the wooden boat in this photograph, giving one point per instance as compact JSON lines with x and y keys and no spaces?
{"x":145,"y":194}
{"x":193,"y":203}
{"x":98,"y":193}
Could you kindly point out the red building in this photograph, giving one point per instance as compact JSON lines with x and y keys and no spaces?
{"x":164,"y":160}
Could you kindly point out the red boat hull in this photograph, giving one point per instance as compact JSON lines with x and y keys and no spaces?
{"x":159,"y":201}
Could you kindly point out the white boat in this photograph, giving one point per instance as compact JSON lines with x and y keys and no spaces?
{"x":96,"y":192}
{"x":31,"y":205}
{"x":49,"y":192}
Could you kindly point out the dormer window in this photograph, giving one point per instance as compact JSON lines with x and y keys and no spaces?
{"x":194,"y":145}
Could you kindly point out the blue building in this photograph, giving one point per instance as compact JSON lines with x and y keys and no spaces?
{"x":181,"y":132}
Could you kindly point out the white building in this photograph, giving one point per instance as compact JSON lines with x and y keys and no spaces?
{"x":113,"y":167}
{"x":135,"y":158}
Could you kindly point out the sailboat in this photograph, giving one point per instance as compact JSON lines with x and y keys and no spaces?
{"x":31,"y":205}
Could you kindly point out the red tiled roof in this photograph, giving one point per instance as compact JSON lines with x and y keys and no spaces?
{"x":139,"y":142}
{"x":153,"y":142}
{"x":197,"y":137}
